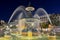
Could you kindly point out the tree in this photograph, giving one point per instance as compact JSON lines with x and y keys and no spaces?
{"x":55,"y":19}
{"x":44,"y":25}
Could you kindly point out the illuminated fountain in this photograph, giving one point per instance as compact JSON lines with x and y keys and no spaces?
{"x":28,"y":25}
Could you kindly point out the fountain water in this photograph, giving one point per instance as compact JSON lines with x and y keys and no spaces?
{"x":17,"y":12}
{"x":42,"y":12}
{"x":28,"y":25}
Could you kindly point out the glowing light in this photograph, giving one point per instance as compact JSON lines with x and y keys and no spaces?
{"x":29,"y":34}
{"x":30,"y":9}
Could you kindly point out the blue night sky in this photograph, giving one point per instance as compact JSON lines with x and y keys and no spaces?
{"x":8,"y":6}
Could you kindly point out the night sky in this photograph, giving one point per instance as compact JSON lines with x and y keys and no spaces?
{"x":8,"y":6}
